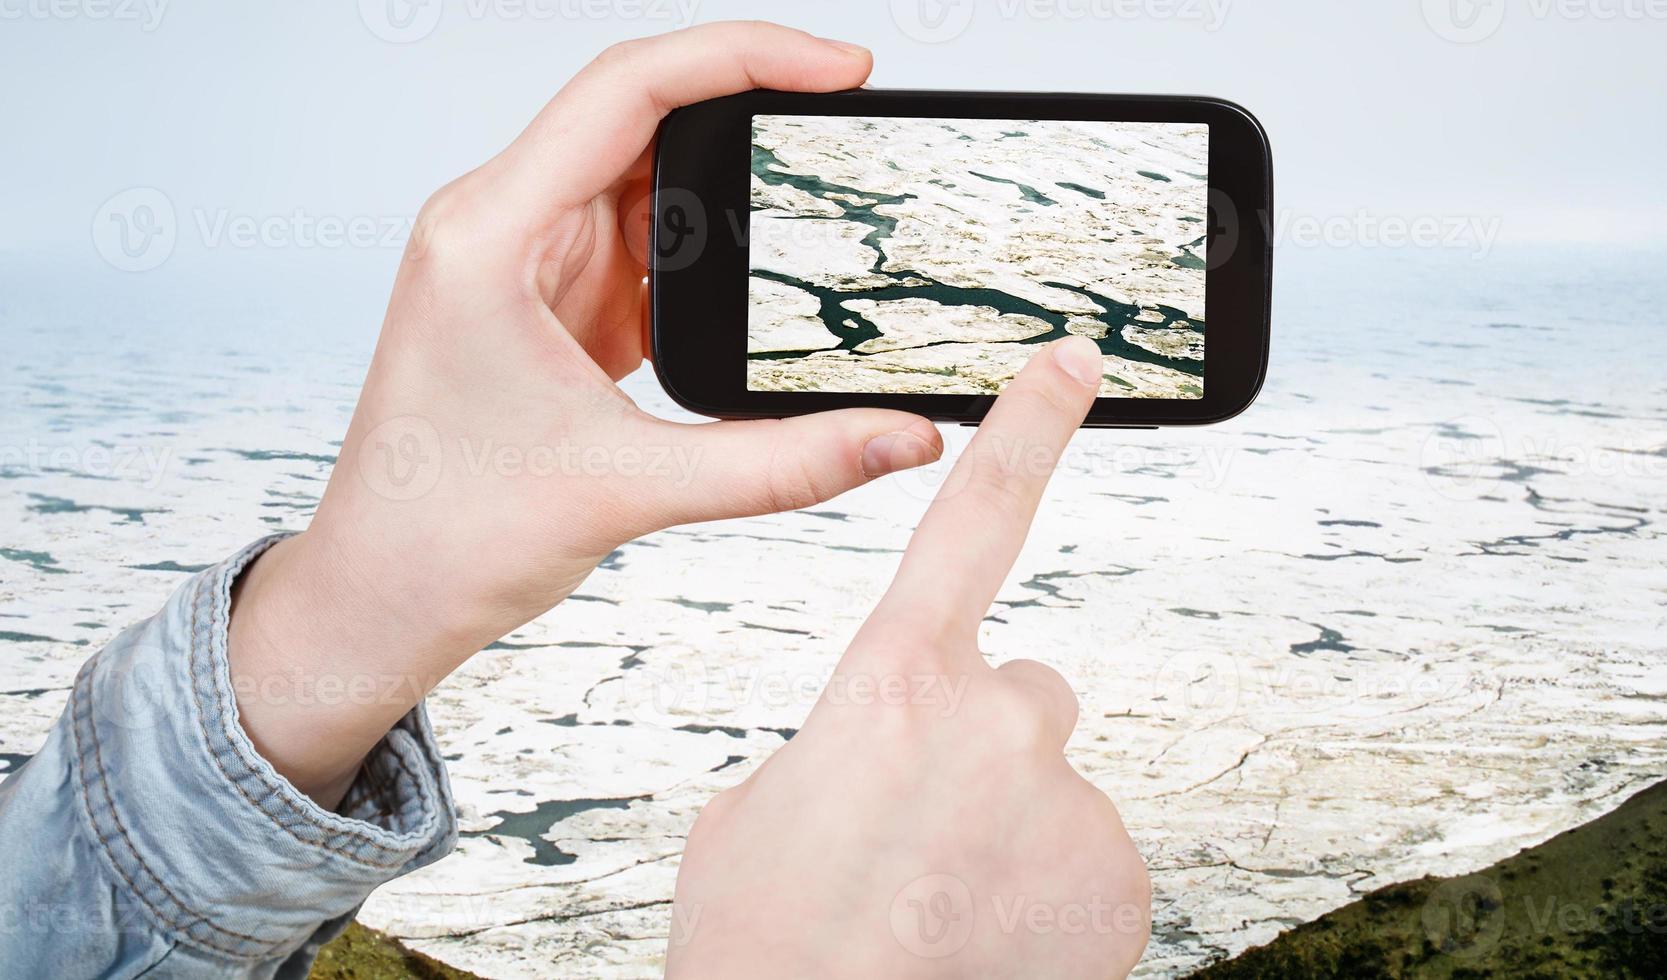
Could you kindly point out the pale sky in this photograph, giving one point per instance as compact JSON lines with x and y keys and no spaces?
{"x":1551,"y":126}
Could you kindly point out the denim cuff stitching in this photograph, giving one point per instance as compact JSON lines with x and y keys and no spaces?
{"x":421,"y":825}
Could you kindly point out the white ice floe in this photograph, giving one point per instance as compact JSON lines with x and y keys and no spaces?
{"x":785,"y":319}
{"x":921,"y":322}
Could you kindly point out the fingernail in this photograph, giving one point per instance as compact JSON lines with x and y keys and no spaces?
{"x":1080,"y":358}
{"x":855,"y":50}
{"x":896,"y":451}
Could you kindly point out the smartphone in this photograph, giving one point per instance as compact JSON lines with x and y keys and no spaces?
{"x":913,"y":249}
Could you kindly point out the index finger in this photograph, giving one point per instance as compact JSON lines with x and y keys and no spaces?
{"x":600,"y":123}
{"x":971,"y":534}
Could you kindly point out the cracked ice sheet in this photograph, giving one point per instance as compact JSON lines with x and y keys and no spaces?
{"x":989,"y":234}
{"x":1135,"y":191}
{"x":1402,"y":617}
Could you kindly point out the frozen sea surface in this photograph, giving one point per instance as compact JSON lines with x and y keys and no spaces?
{"x":915,"y":255}
{"x":1406,"y":615}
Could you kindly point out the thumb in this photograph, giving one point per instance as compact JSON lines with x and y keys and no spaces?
{"x":766,"y":466}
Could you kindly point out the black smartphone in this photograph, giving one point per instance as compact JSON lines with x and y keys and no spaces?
{"x":912,"y":250}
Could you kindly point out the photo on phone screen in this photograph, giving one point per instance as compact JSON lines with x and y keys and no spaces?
{"x":909,"y":255}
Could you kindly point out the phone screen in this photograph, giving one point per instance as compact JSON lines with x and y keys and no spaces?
{"x":913,"y":255}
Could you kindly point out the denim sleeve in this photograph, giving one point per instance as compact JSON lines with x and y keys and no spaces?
{"x":147,"y":837}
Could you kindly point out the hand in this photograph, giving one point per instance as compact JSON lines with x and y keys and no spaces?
{"x":924,"y":821}
{"x":491,"y":462}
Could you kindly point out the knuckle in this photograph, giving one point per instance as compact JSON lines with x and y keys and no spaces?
{"x":1135,"y":880}
{"x":786,"y":495}
{"x":1020,"y":724}
{"x":621,"y":54}
{"x":718,"y":811}
{"x":444,"y":208}
{"x":1123,"y":858}
{"x":1116,"y":862}
{"x":790,"y":484}
{"x":1140,"y":884}
{"x":442,"y":235}
{"x":1044,"y":679}
{"x":1043,"y":707}
{"x":720,"y":805}
{"x":757,"y":30}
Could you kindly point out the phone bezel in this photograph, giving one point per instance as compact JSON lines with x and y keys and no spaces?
{"x":698,"y":290}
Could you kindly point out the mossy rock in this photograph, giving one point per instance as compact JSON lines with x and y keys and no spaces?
{"x":1591,"y":902}
{"x":365,"y":954}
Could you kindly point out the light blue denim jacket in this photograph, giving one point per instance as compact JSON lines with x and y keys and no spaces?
{"x":148,"y":838}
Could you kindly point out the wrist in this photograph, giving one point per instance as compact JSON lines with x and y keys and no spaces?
{"x":321,"y":668}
